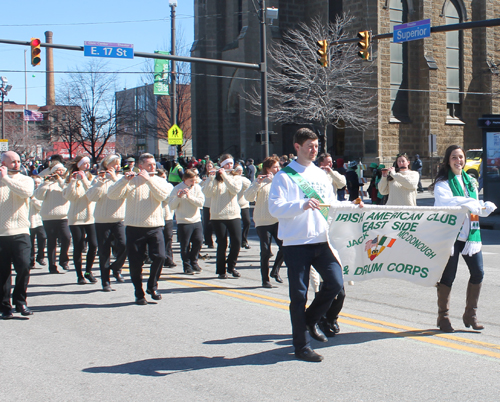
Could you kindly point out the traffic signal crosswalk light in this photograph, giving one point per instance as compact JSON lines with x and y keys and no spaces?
{"x":35,"y":52}
{"x":323,"y":52}
{"x":364,"y":45}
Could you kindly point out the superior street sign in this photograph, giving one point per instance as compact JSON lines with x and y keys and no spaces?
{"x":412,"y":31}
{"x":109,"y":49}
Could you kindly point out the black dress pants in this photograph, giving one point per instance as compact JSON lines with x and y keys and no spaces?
{"x":168,"y":234}
{"x":78,"y":232}
{"x":191,"y":238}
{"x":208,"y":229}
{"x":14,"y":250}
{"x":107,"y":233}
{"x":41,"y":242}
{"x":245,"y":219}
{"x":54,"y":229}
{"x":137,"y":240}
{"x":221,"y":229}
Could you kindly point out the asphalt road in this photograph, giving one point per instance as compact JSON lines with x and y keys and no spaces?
{"x":229,"y":340}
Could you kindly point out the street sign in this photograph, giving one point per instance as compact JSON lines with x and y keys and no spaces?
{"x":4,"y":145}
{"x":162,"y":68}
{"x":108,"y":49}
{"x":175,"y":135}
{"x":412,"y":31}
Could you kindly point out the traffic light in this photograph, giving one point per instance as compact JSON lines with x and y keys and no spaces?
{"x":364,"y":44}
{"x":323,"y":52}
{"x":35,"y":52}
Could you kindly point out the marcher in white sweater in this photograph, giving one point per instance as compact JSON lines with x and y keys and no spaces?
{"x":208,"y":229}
{"x":338,"y":180}
{"x":401,"y":186}
{"x":223,"y":188}
{"x":244,"y":207}
{"x":266,"y":224}
{"x":54,"y":214}
{"x":144,"y":223}
{"x":109,"y":215}
{"x":187,"y":199}
{"x":168,"y":229}
{"x":15,"y":191}
{"x":81,"y":217}
{"x":36,"y":228}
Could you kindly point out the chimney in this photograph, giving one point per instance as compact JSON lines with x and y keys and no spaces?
{"x":50,"y":87}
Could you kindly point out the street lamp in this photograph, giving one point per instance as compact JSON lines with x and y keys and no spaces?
{"x":4,"y":89}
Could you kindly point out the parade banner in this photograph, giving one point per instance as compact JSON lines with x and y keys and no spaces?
{"x":408,"y":243}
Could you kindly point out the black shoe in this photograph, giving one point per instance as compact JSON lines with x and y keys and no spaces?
{"x":148,"y":260}
{"x":196,"y":268}
{"x":141,"y":302}
{"x":235,"y":273}
{"x":41,"y":261}
{"x":189,"y":271}
{"x":65,"y":266}
{"x":335,"y":326}
{"x":7,"y":315}
{"x":308,"y":355}
{"x":169,"y":264}
{"x":90,"y":277}
{"x":154,"y":294}
{"x":107,"y":288}
{"x":276,"y":276}
{"x":223,"y":276}
{"x":54,"y":271}
{"x":247,"y":246}
{"x":81,"y":281}
{"x":118,"y":276}
{"x":316,"y":333}
{"x":327,"y":328}
{"x":267,"y":284}
{"x":24,"y":310}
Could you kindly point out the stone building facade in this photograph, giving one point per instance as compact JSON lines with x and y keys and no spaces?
{"x":434,"y":88}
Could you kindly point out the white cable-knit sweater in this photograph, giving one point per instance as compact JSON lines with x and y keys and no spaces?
{"x":106,"y":209}
{"x":260,"y":194}
{"x":81,"y":210}
{"x":54,"y":205}
{"x":402,"y":190}
{"x":203,"y":184}
{"x":338,"y":180}
{"x":224,"y":203}
{"x":144,"y":200}
{"x":242,"y":201}
{"x":187,"y":209}
{"x":35,"y":217}
{"x":15,"y":191}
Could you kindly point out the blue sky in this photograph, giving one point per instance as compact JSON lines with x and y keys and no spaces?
{"x":146,"y":25}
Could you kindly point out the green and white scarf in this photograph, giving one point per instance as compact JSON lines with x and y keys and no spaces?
{"x":473,"y":244}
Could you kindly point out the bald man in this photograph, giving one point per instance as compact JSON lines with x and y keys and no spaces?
{"x":15,"y":244}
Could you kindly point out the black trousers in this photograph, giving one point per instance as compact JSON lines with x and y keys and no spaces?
{"x":78,"y":232}
{"x":333,"y":312}
{"x":168,"y":234}
{"x":221,"y":229}
{"x":208,"y":229}
{"x":41,"y":241}
{"x":107,"y":233}
{"x":54,"y":229}
{"x":14,"y":250}
{"x":245,"y":219}
{"x":191,"y":238}
{"x":137,"y":240}
{"x":266,"y":234}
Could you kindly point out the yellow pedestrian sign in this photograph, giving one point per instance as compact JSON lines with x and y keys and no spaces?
{"x":175,"y":135}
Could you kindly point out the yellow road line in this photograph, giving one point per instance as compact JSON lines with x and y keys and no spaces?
{"x":361,"y":322}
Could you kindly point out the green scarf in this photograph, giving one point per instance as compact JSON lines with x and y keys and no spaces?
{"x":473,"y":244}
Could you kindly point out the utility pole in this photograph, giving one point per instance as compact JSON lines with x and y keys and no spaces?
{"x":263,"y":76}
{"x":173,"y":86}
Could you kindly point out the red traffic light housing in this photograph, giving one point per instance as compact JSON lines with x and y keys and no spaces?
{"x":364,"y":44}
{"x":35,"y":52}
{"x":323,"y":52}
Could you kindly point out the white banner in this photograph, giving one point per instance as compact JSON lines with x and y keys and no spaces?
{"x":408,"y":243}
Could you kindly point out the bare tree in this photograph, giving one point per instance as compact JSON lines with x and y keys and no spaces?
{"x":88,"y":99}
{"x":301,"y":91}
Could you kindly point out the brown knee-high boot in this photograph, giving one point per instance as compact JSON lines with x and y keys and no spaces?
{"x":443,"y":321}
{"x":469,"y":316}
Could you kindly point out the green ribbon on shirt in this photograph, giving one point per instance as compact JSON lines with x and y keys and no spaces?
{"x":306,"y":188}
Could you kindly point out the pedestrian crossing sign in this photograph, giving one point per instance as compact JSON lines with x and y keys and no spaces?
{"x":175,"y":135}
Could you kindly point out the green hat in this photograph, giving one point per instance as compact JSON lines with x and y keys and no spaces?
{"x":381,"y":166}
{"x":373,"y":165}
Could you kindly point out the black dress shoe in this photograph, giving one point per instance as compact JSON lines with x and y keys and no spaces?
{"x":41,"y":261}
{"x":169,"y":264}
{"x":54,"y":271}
{"x":247,"y":246}
{"x":233,"y":272}
{"x":65,"y":266}
{"x":81,"y":281}
{"x":223,"y":276}
{"x":118,"y":276}
{"x":267,"y":284}
{"x":7,"y":315}
{"x":90,"y":277}
{"x":24,"y":310}
{"x":154,"y":294}
{"x":141,"y":302}
{"x":327,"y":328}
{"x":107,"y":288}
{"x":316,"y":333}
{"x":335,"y":326}
{"x":308,"y":355}
{"x":276,"y":275}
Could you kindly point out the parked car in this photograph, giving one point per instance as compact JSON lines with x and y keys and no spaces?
{"x":473,"y":162}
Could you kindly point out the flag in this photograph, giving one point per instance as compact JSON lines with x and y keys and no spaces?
{"x":31,"y":115}
{"x":371,"y":243}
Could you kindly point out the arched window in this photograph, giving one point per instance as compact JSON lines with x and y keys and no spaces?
{"x":398,"y":12}
{"x":453,"y":61}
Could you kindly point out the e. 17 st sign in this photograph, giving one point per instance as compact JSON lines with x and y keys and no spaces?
{"x":412,"y":31}
{"x":108,"y":49}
